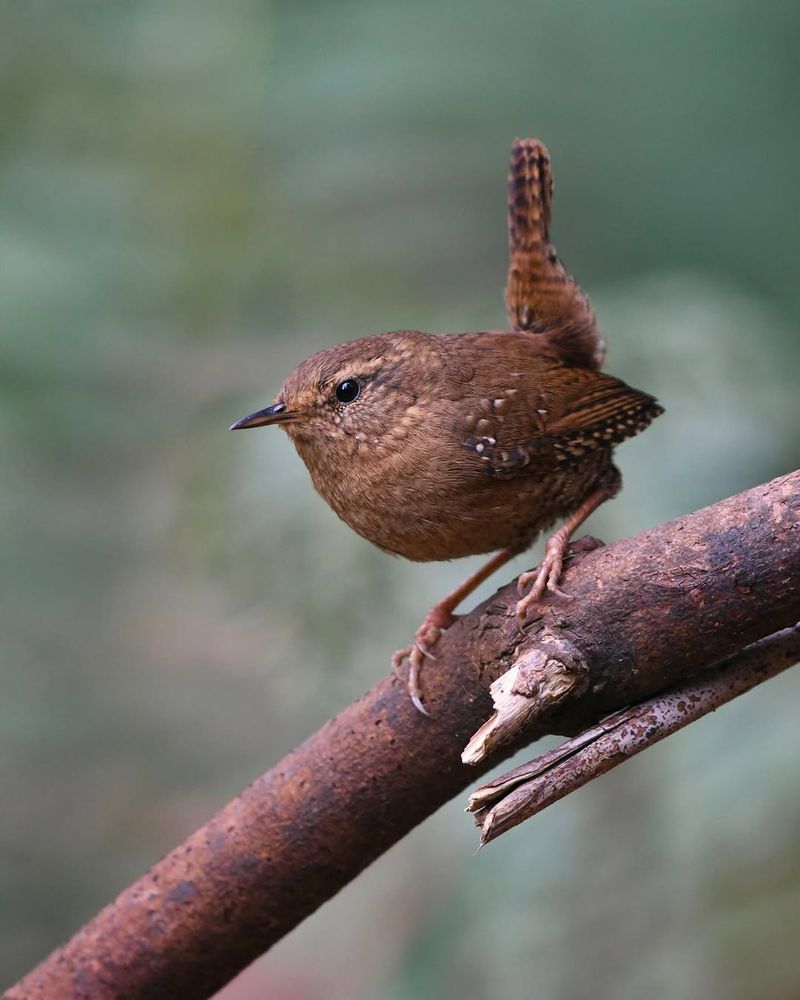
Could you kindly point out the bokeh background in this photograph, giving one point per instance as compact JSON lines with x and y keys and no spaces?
{"x":195,"y":196}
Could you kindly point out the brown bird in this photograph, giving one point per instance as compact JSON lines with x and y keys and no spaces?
{"x":437,"y":447}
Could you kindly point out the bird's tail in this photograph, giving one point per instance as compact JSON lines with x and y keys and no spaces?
{"x":540,"y":295}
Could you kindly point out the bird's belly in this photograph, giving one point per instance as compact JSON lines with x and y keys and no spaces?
{"x":481,"y":516}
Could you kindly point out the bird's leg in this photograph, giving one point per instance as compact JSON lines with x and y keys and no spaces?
{"x":436,"y":620}
{"x":548,"y":572}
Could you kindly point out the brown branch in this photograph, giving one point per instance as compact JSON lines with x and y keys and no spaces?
{"x":520,"y":794}
{"x":646,"y":612}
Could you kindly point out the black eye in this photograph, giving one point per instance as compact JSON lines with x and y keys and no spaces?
{"x":347,"y":390}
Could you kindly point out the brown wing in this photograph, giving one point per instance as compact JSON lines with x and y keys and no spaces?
{"x":554,"y":416}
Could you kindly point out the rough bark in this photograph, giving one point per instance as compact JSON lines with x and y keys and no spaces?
{"x":646,"y":612}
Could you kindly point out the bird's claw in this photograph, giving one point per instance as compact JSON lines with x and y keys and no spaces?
{"x":545,"y":577}
{"x":424,"y":643}
{"x":426,"y":636}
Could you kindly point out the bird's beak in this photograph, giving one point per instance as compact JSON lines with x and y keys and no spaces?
{"x":275,"y":414}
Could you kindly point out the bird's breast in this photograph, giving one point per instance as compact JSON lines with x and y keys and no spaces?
{"x":426,"y":504}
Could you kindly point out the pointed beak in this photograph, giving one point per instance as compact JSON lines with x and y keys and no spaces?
{"x":275,"y":414}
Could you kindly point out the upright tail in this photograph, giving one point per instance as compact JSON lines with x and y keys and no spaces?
{"x":540,"y":295}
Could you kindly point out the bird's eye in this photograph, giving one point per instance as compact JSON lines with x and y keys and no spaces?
{"x":347,"y":390}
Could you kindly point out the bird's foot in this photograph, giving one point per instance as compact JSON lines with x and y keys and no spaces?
{"x":547,"y":574}
{"x":545,"y":577}
{"x":427,"y":635}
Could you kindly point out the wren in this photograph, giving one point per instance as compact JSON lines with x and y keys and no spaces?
{"x":438,"y":447}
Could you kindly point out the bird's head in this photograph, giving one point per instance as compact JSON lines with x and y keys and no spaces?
{"x":357,"y":393}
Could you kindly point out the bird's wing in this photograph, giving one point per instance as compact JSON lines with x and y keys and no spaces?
{"x":555,"y":419}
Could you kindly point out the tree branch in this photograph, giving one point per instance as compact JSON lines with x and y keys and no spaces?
{"x":520,"y":794}
{"x":646,"y":612}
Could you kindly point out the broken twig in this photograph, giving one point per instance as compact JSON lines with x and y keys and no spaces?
{"x":518,"y":795}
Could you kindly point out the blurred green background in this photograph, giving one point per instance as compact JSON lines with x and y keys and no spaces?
{"x":194,"y":196}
